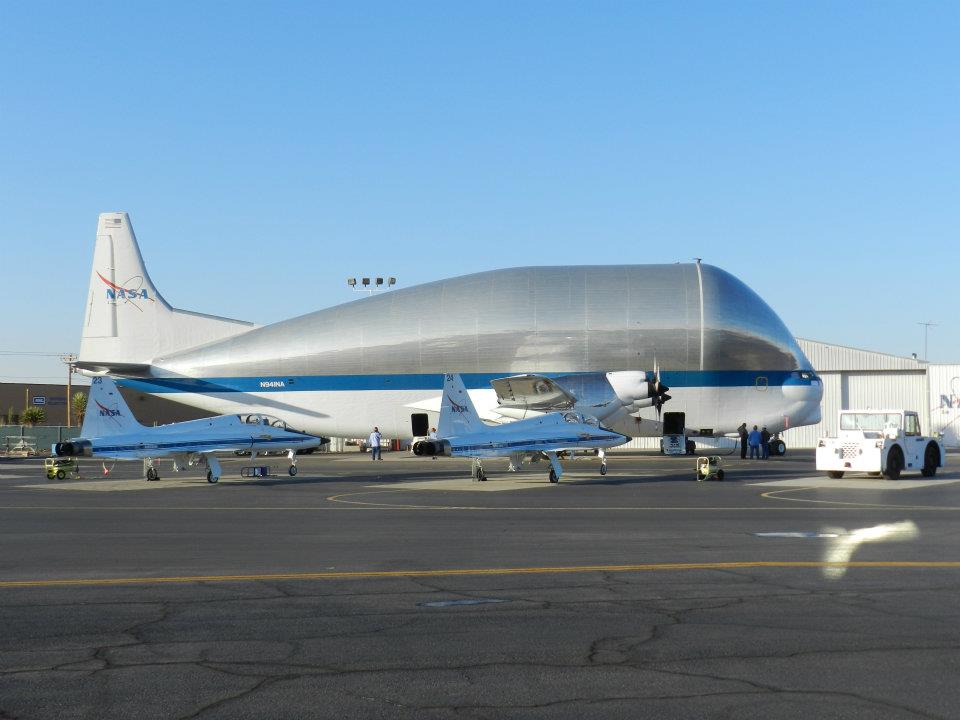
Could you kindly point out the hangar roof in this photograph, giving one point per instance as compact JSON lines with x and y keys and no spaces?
{"x":836,"y":358}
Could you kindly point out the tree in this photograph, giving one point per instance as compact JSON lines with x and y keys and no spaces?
{"x":79,"y":407}
{"x":33,"y":416}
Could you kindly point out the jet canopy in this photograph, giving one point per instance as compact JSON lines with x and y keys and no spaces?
{"x":261,"y":419}
{"x":575,"y":417}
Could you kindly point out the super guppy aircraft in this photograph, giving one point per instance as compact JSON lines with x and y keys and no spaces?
{"x":583,"y":338}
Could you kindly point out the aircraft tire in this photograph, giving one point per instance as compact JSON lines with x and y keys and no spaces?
{"x":61,"y":474}
{"x":481,"y":476}
{"x":553,"y":476}
{"x":152,"y":475}
{"x":292,"y":470}
{"x":720,"y":475}
{"x":778,"y":448}
{"x":835,"y":474}
{"x":211,"y":478}
{"x":603,"y":469}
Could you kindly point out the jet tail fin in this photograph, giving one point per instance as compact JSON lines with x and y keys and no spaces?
{"x":107,"y":413}
{"x":458,"y":416}
{"x":127,"y":322}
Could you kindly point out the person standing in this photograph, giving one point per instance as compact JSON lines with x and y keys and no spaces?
{"x":433,"y":436}
{"x":742,"y":432}
{"x":765,"y":443}
{"x":753,"y":440}
{"x":374,"y":442}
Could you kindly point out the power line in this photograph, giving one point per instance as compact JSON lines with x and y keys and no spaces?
{"x":31,"y":353}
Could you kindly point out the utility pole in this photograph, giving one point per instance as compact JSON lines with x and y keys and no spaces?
{"x":926,"y":330}
{"x":69,"y":359}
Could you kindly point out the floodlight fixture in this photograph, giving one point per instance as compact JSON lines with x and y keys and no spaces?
{"x":391,"y":281}
{"x":352,"y":282}
{"x":366,"y":281}
{"x":379,"y":281}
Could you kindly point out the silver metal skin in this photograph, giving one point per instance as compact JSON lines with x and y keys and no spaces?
{"x":519,"y":320}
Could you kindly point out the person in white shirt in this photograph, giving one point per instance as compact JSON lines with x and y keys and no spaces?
{"x":374,"y":442}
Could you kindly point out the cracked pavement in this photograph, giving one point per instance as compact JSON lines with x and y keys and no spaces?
{"x":717,"y":643}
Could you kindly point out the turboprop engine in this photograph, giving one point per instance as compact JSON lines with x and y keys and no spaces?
{"x":635,"y":391}
{"x":73,"y":448}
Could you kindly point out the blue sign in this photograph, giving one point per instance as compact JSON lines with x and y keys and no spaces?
{"x":40,"y":400}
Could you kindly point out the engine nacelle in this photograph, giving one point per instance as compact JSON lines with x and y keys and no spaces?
{"x":73,"y":448}
{"x":630,"y":385}
{"x":431,"y":448}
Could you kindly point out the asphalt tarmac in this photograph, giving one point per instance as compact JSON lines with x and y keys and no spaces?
{"x":402,"y":589}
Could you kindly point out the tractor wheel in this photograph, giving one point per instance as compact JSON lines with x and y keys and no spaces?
{"x":894,"y":463}
{"x":931,"y":461}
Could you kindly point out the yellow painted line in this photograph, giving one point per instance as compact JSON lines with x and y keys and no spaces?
{"x":778,"y":495}
{"x":455,"y":572}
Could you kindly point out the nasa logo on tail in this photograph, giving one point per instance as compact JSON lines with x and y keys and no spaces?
{"x":103,"y":409}
{"x":131,"y":292}
{"x":456,"y":407}
{"x":107,"y":412}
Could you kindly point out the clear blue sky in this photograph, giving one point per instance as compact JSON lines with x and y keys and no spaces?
{"x":267,"y":152}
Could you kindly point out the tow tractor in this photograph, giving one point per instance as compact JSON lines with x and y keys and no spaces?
{"x":876,"y":442}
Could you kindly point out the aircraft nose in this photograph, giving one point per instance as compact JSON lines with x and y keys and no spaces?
{"x":804,"y":387}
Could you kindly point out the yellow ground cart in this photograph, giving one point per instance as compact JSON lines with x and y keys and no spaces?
{"x":709,"y":467}
{"x":59,"y":468}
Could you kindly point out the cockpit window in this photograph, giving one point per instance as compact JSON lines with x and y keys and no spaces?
{"x":260,"y":419}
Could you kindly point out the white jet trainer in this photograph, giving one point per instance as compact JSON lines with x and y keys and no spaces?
{"x":461,"y":433}
{"x":110,"y":431}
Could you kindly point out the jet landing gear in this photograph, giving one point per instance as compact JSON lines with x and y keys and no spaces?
{"x":292,"y":457}
{"x":477,"y":471}
{"x":556,"y":471}
{"x":213,"y":469}
{"x":150,"y":470}
{"x":603,"y":461}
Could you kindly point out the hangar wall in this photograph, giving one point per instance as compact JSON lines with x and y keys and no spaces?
{"x":945,"y":402}
{"x":856,"y":378}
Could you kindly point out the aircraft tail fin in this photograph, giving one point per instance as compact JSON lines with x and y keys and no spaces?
{"x":127,"y":323}
{"x":458,"y":416}
{"x":107,"y":413}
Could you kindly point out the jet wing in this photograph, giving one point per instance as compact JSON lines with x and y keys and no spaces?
{"x":534,"y":392}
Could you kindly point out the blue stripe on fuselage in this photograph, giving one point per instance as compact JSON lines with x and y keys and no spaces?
{"x":430,"y":382}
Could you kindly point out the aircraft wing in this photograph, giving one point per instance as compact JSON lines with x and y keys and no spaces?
{"x":534,"y":392}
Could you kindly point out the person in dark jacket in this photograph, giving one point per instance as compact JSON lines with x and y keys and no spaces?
{"x":753,"y":440}
{"x":765,"y":443}
{"x":742,"y":432}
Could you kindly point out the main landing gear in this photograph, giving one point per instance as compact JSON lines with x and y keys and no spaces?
{"x":292,"y":457}
{"x":556,"y":471}
{"x":150,"y":470}
{"x":477,"y":471}
{"x":213,"y":469}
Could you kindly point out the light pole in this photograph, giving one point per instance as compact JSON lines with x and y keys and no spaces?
{"x":926,"y":330}
{"x":370,"y":288}
{"x":69,"y":359}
